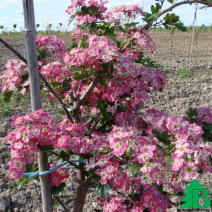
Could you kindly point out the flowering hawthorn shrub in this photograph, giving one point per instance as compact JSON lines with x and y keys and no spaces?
{"x":102,"y":82}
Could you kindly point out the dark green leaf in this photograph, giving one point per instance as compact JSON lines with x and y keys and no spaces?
{"x":84,"y":45}
{"x":192,"y":114}
{"x":6,"y":96}
{"x":135,"y":196}
{"x":46,"y":148}
{"x":207,"y":128}
{"x":135,"y":167}
{"x":103,"y":190}
{"x":163,"y":137}
{"x":23,"y":181}
{"x":58,"y":189}
{"x":171,"y":1}
{"x":63,"y":155}
{"x":171,"y":19}
{"x":181,"y":26}
{"x":61,"y":112}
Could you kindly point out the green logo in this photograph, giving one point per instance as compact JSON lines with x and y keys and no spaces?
{"x":196,"y":196}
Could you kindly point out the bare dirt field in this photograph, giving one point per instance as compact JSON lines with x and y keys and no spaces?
{"x":173,"y":51}
{"x":186,"y":88}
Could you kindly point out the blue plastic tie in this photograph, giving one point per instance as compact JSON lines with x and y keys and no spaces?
{"x":60,"y":166}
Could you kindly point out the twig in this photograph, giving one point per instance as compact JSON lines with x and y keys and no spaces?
{"x":8,"y":46}
{"x":85,"y":94}
{"x":61,"y":203}
{"x":56,"y":96}
{"x":148,"y":25}
{"x":80,"y":101}
{"x":73,"y":164}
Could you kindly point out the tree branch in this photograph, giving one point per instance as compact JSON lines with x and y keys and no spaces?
{"x":85,"y":94}
{"x":56,"y":96}
{"x":8,"y":46}
{"x":67,"y":159}
{"x":81,"y":191}
{"x":61,"y":203}
{"x":148,"y":25}
{"x":14,"y":51}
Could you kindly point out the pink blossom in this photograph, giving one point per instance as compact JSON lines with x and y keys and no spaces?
{"x":58,"y":176}
{"x":51,"y":44}
{"x":189,"y":171}
{"x":12,"y":77}
{"x":204,"y":115}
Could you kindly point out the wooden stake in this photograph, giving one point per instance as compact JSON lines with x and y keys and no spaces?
{"x":192,"y":37}
{"x":34,"y":80}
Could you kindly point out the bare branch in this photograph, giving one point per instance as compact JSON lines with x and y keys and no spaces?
{"x":86,"y":93}
{"x":56,"y":96}
{"x":67,"y":159}
{"x":61,"y":203}
{"x":8,"y":46}
{"x":13,"y":50}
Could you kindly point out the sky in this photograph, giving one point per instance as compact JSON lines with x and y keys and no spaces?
{"x":53,"y":12}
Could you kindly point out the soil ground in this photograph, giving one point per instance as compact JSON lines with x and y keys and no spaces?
{"x":186,"y":88}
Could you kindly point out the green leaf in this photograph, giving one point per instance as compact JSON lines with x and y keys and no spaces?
{"x":181,"y":26}
{"x":207,"y":128}
{"x":84,"y":10}
{"x":135,"y":167}
{"x":25,"y":77}
{"x":163,"y":137}
{"x":71,"y":18}
{"x":148,"y":17}
{"x":171,"y":19}
{"x":103,"y":191}
{"x":31,"y":167}
{"x":61,"y":112}
{"x":46,"y":148}
{"x":192,"y":114}
{"x":63,"y":155}
{"x":156,"y":8}
{"x":135,"y":196}
{"x":23,"y":181}
{"x":6,"y":96}
{"x":58,"y":189}
{"x":66,"y":86}
{"x":171,"y":1}
{"x":168,"y":160}
{"x":42,"y":54}
{"x":84,"y":45}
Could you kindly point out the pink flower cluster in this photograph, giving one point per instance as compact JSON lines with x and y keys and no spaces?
{"x":134,"y":82}
{"x":142,"y":40}
{"x":57,"y":177}
{"x":149,"y":198}
{"x":91,"y":16}
{"x":55,"y":71}
{"x":73,"y":138}
{"x":122,"y":12}
{"x":81,"y":19}
{"x":51,"y":44}
{"x":189,"y":153}
{"x":78,"y":33}
{"x":100,"y":50}
{"x":204,"y":115}
{"x":12,"y":77}
{"x":34,"y":129}
{"x":75,"y":4}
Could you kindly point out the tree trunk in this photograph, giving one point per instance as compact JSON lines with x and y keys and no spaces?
{"x":81,"y":191}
